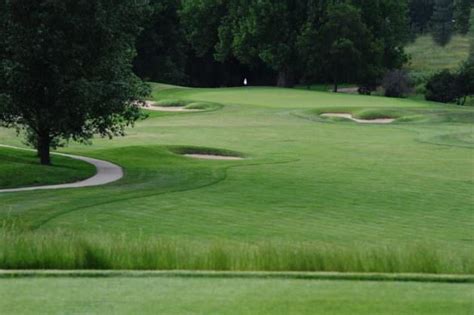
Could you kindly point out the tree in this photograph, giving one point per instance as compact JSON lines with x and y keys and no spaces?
{"x":202,"y":21}
{"x":462,"y":12}
{"x":443,"y":87}
{"x":465,"y":81}
{"x":396,"y":83}
{"x":471,"y":37}
{"x":263,"y":31}
{"x":420,"y":13}
{"x":161,"y":47}
{"x":442,"y":21}
{"x":65,"y":69}
{"x":387,"y":21}
{"x":345,"y":41}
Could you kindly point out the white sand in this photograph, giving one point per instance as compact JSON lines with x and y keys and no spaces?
{"x":213,"y":157}
{"x":149,"y":105}
{"x":362,"y":121}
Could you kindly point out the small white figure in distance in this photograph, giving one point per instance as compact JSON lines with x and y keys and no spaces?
{"x":245,"y":82}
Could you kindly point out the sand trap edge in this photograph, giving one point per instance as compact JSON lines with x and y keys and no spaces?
{"x":213,"y":157}
{"x":361,"y":121}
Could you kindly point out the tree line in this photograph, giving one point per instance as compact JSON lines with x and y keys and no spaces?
{"x":441,"y":18}
{"x":72,"y":69}
{"x":283,"y":42}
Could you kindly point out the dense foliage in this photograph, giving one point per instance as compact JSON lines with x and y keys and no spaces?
{"x":283,"y":42}
{"x":441,"y":87}
{"x":462,"y":10}
{"x":161,"y":47}
{"x":397,"y":83}
{"x":442,"y":21}
{"x":65,"y":69}
{"x":448,"y":87}
{"x":293,"y":38}
{"x":434,"y":15}
{"x":421,"y":12}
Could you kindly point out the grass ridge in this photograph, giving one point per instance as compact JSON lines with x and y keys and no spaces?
{"x":401,"y":277}
{"x":214,"y":182}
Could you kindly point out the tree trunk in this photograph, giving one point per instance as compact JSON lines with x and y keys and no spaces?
{"x":335,"y":86}
{"x":44,"y":150}
{"x":285,"y":79}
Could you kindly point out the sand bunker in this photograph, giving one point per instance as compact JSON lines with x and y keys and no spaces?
{"x":213,"y":157}
{"x":361,"y":121}
{"x":152,"y":106}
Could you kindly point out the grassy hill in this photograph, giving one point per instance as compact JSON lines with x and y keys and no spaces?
{"x":428,"y":57}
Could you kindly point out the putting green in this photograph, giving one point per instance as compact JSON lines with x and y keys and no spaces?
{"x":304,"y":178}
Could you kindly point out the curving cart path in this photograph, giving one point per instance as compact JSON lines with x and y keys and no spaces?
{"x":106,"y":173}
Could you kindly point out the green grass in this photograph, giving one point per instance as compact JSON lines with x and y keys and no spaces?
{"x":427,"y":57}
{"x":21,"y":168}
{"x":61,"y":250}
{"x":306,"y":180}
{"x":172,"y":103}
{"x":187,"y":104}
{"x":229,"y":296}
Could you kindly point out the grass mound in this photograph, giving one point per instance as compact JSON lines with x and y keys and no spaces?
{"x":203,"y":106}
{"x":188,"y":104}
{"x":172,"y":103}
{"x":22,"y":169}
{"x":434,"y":114}
{"x":427,"y":57}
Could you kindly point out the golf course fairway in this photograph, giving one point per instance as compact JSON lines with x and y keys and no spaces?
{"x":379,"y":197}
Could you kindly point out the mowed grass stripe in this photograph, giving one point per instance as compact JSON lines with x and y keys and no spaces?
{"x":230,"y":296}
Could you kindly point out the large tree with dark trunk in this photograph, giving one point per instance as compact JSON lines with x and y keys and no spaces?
{"x":348,"y":49}
{"x":65,"y":69}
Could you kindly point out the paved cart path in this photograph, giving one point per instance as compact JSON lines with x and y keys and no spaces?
{"x":106,"y":173}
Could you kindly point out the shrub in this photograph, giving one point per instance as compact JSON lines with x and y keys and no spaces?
{"x":443,"y":87}
{"x":465,"y":81}
{"x":397,"y":83}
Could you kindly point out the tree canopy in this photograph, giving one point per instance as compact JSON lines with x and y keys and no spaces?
{"x":161,"y":47}
{"x":65,"y":69}
{"x":442,"y":21}
{"x":287,"y":36}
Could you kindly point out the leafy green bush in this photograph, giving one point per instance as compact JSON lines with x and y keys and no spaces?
{"x":397,"y":83}
{"x":443,"y":87}
{"x":465,"y":81}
